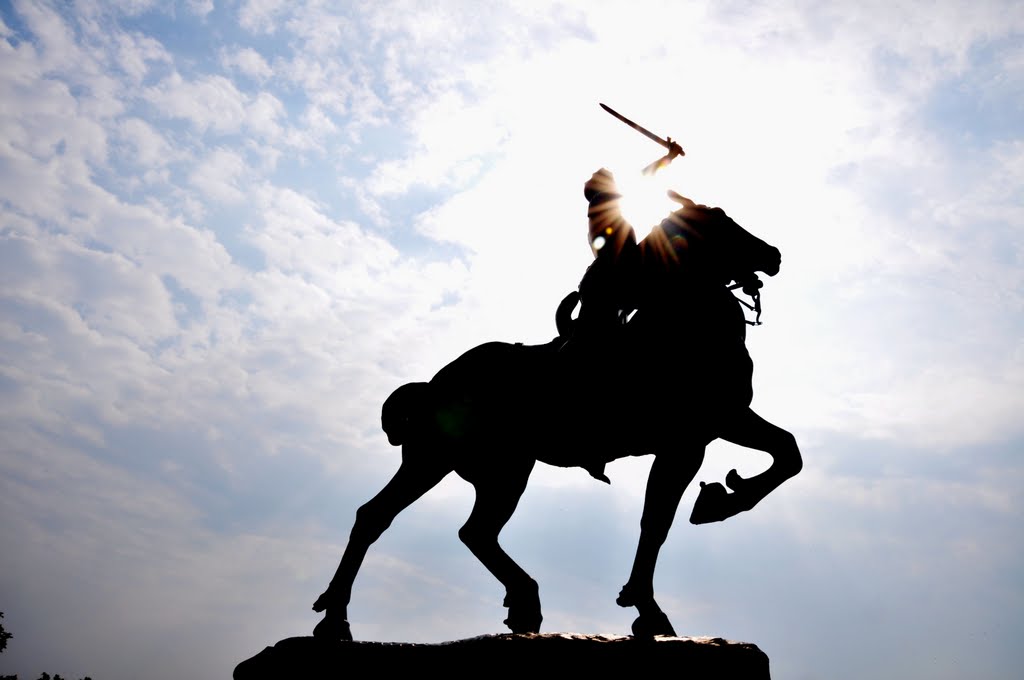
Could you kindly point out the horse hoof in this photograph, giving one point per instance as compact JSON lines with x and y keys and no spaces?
{"x":523,"y":611}
{"x":714,"y":504}
{"x":647,"y":626}
{"x":524,"y":617}
{"x":521,"y":624}
{"x":733,"y":480}
{"x":332,"y":629}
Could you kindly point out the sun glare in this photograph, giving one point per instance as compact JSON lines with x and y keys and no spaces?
{"x":644,"y":201}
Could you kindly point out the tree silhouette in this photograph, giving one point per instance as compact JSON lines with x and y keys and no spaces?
{"x":4,"y":637}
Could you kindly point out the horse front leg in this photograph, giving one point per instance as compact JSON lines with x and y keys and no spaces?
{"x":754,"y":432}
{"x":412,"y":480}
{"x":670,"y":475}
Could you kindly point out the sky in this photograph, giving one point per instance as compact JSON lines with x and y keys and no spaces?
{"x":228,"y":230}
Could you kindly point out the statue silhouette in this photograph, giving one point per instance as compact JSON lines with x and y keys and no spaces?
{"x":582,"y":401}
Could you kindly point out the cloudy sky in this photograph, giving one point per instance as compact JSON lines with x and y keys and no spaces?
{"x":228,"y":230}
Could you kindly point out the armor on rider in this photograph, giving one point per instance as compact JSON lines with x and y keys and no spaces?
{"x":609,"y":287}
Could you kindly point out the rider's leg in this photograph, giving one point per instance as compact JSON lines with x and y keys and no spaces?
{"x":497,"y":495}
{"x":754,"y":432}
{"x":670,"y":474}
{"x":415,"y":477}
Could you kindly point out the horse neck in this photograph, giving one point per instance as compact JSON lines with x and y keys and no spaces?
{"x":692,"y":306}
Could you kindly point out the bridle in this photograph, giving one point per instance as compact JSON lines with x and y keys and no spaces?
{"x":751,"y":286}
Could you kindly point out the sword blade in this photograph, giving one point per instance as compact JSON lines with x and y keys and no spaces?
{"x":642,"y":130}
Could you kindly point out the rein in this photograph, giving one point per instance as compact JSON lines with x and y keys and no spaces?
{"x":751,"y":287}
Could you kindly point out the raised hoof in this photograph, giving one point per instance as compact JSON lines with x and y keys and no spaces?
{"x":333,"y":629}
{"x":715,"y":504}
{"x":649,"y":625}
{"x":734,"y":481}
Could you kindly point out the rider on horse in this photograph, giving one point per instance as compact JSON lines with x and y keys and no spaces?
{"x":495,"y":411}
{"x":661,"y":272}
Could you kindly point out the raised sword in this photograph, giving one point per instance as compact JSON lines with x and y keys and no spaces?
{"x":673,"y":148}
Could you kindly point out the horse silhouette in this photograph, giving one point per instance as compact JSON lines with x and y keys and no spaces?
{"x":495,"y":411}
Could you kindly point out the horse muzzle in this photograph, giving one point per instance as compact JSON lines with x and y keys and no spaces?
{"x":774,"y":261}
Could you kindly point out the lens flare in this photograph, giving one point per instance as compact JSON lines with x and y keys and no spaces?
{"x":643,"y":202}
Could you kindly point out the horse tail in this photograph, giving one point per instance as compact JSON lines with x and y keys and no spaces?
{"x":396,"y":416}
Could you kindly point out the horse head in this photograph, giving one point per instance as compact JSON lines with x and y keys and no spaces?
{"x":709,"y":243}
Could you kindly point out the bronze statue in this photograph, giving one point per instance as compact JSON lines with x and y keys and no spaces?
{"x":491,"y":414}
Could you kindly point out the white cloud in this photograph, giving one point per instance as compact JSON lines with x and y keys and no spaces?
{"x":263,"y":114}
{"x":452,"y":137}
{"x":261,"y":16}
{"x":211,"y":102}
{"x":218,"y":176}
{"x":131,"y":549}
{"x":134,"y":52}
{"x":115,"y":298}
{"x":149,"y":147}
{"x":248,"y":61}
{"x":200,"y":8}
{"x":135,"y":7}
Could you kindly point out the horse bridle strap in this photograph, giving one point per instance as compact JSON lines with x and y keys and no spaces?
{"x":752,"y":287}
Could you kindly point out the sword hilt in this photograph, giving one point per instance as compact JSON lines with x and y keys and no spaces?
{"x":674,"y":149}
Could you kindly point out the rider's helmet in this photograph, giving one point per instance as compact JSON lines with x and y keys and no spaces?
{"x":609,"y":233}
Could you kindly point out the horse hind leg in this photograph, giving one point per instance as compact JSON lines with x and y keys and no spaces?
{"x":497,"y":495}
{"x":417,"y":475}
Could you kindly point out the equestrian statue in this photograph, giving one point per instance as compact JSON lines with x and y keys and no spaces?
{"x":582,"y":400}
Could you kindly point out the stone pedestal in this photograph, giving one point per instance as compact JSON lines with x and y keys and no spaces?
{"x":531,"y":656}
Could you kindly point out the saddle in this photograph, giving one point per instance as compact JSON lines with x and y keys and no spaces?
{"x":598,"y":383}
